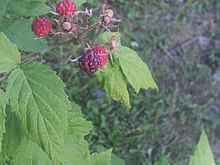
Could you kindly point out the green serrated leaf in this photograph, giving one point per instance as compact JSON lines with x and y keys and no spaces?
{"x":114,"y":82}
{"x":75,"y":151}
{"x":134,"y":68}
{"x":77,"y":125}
{"x":3,"y":101}
{"x":9,"y":55}
{"x":13,"y":135}
{"x":203,"y":153}
{"x":37,"y":97}
{"x":19,"y":32}
{"x":115,"y":159}
{"x":103,"y":158}
{"x":30,"y":153}
{"x":17,"y":9}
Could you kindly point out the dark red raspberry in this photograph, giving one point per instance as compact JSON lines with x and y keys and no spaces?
{"x":89,"y":62}
{"x":41,"y":26}
{"x":66,"y":7}
{"x":103,"y":56}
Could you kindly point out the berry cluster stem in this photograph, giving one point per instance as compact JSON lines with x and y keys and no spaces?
{"x":91,"y":27}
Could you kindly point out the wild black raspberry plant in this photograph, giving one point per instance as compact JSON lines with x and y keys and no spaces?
{"x":67,"y":22}
{"x":39,"y":125}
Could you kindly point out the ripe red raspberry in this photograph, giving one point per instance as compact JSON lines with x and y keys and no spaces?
{"x":66,"y":7}
{"x":103,"y":56}
{"x":41,"y":26}
{"x":89,"y":62}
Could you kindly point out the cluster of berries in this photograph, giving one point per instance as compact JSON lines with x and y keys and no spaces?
{"x":92,"y":59}
{"x":42,"y":26}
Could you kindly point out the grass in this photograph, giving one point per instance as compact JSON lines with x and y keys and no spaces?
{"x":180,"y":42}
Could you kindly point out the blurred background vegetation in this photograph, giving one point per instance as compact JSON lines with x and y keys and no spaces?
{"x":180,"y":42}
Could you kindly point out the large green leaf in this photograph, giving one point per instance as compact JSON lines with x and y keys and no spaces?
{"x":77,"y":125}
{"x":20,"y":8}
{"x":13,"y":135}
{"x":37,"y":97}
{"x":76,"y":149}
{"x":3,"y":101}
{"x":19,"y":32}
{"x":103,"y":158}
{"x":127,"y":66}
{"x":114,"y":82}
{"x":9,"y":55}
{"x":30,"y":153}
{"x":134,"y":68}
{"x":203,"y":154}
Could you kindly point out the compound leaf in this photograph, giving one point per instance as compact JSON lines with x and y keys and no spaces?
{"x":134,"y":68}
{"x":75,"y":148}
{"x":19,"y":32}
{"x":114,"y":82}
{"x":203,"y":153}
{"x":37,"y":97}
{"x":103,"y":158}
{"x":30,"y":153}
{"x":3,"y":101}
{"x":75,"y":151}
{"x":77,"y":124}
{"x":129,"y":66}
{"x":9,"y":55}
